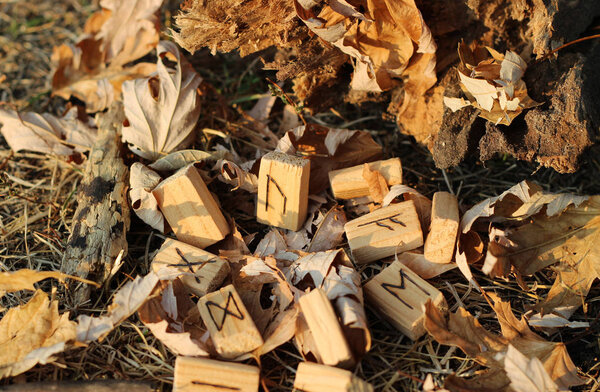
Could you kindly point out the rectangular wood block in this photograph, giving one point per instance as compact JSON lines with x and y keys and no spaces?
{"x":399,"y":294}
{"x":349,"y":183}
{"x":383,"y":232}
{"x":190,"y":209}
{"x":229,"y":324}
{"x":440,"y":242}
{"x":325,"y":329}
{"x":283,"y":190}
{"x":208,"y":270}
{"x":209,"y":375}
{"x":313,"y":377}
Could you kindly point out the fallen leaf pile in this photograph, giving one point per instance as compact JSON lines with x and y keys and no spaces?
{"x":492,"y":82}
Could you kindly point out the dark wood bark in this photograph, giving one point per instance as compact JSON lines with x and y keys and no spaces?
{"x":101,"y":219}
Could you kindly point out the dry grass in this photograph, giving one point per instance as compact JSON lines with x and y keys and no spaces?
{"x":37,"y":204}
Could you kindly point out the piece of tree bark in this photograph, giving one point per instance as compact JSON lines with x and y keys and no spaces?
{"x":101,"y":220}
{"x":81,"y":386}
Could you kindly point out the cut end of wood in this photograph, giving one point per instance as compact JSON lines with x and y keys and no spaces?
{"x":313,"y":377}
{"x":325,"y":329}
{"x":204,"y":272}
{"x":383,"y":232}
{"x":229,"y":324}
{"x":191,"y":209}
{"x":349,"y":183}
{"x":399,"y":294}
{"x":283,"y":190}
{"x":441,"y":240}
{"x":207,"y":375}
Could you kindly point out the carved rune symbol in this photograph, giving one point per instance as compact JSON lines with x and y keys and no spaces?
{"x":379,"y":222}
{"x":237,"y":313}
{"x":269,"y":180}
{"x":389,"y":286}
{"x":187,"y":263}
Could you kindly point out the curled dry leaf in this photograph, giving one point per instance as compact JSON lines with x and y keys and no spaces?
{"x":162,"y":110}
{"x":463,"y":330}
{"x":493,"y":83}
{"x":46,"y":133}
{"x":232,"y":174}
{"x":178,"y":159}
{"x":173,"y":319}
{"x":378,"y":187}
{"x":142,"y":181}
{"x":381,"y":36}
{"x":330,"y":231}
{"x":93,"y":70}
{"x":31,"y":334}
{"x":423,"y":267}
{"x":329,"y":149}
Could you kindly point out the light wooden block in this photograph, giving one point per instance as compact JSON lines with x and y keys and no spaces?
{"x":283,"y":190}
{"x":325,"y":329}
{"x":229,"y":324}
{"x":349,"y":183}
{"x":208,"y":375}
{"x":313,"y":377}
{"x":385,"y":231}
{"x":399,"y":294}
{"x":208,"y":271}
{"x":440,"y":242}
{"x":190,"y":209}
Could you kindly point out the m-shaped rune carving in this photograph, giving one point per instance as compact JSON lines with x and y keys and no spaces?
{"x":389,"y":286}
{"x":237,"y":313}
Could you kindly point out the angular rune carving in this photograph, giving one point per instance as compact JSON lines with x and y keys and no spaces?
{"x":187,"y":263}
{"x":379,"y":222}
{"x":389,"y":286}
{"x":237,"y":313}
{"x":269,"y":180}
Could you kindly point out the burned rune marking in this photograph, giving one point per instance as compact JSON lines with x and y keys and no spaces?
{"x":379,"y":222}
{"x":225,"y":310}
{"x":269,"y":180}
{"x":187,"y":263}
{"x":195,"y":382}
{"x":389,"y":286}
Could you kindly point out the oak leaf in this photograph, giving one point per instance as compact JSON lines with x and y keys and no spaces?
{"x":162,"y":111}
{"x":463,"y":330}
{"x":32,"y":334}
{"x":24,"y":279}
{"x":142,"y":181}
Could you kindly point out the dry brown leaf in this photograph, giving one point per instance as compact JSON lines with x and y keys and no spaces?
{"x":131,"y":31}
{"x":330,"y":231}
{"x":126,"y":301}
{"x":378,"y":187}
{"x":568,"y":241}
{"x":465,"y":331}
{"x":178,"y":159}
{"x":329,"y":149}
{"x":382,"y":36}
{"x":142,"y":181}
{"x":24,"y":279}
{"x":163,"y":110}
{"x":31,"y":334}
{"x":526,"y":374}
{"x":173,"y":319}
{"x":46,"y":133}
{"x":492,"y":83}
{"x":93,"y":69}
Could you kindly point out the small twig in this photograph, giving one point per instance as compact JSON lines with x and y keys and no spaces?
{"x":289,"y":101}
{"x":578,"y":40}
